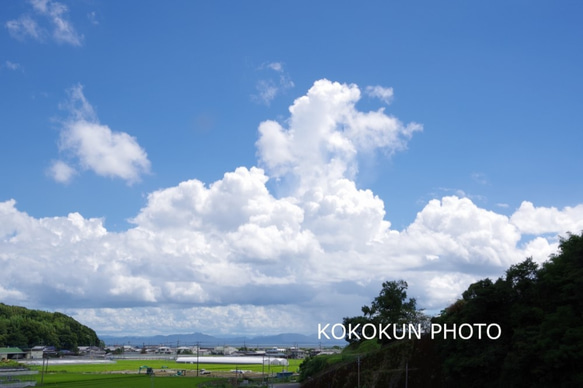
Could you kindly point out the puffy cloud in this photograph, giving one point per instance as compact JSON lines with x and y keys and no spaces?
{"x":448,"y":287}
{"x":458,"y":229}
{"x":538,"y":220}
{"x":325,"y":133}
{"x":230,"y":257}
{"x":62,"y":31}
{"x":96,"y":147}
{"x":61,"y":171}
{"x":107,"y":153}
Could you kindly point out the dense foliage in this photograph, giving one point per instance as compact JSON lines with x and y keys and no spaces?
{"x":26,"y":328}
{"x":390,"y":307}
{"x":540,"y":310}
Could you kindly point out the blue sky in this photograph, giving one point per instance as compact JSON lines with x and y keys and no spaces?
{"x":279,"y":158}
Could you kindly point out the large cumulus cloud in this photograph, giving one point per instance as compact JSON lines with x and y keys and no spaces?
{"x":232,"y":257}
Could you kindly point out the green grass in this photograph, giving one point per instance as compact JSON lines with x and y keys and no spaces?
{"x":122,"y":374}
{"x":80,"y":380}
{"x":134,"y":365}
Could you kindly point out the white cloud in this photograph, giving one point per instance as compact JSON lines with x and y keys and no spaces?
{"x":24,"y":27}
{"x":61,"y":30}
{"x":539,"y":220}
{"x":229,"y":257}
{"x":96,"y":147}
{"x":325,"y":133}
{"x":107,"y":153}
{"x":11,"y":295}
{"x":269,"y":87}
{"x":92,"y":16}
{"x":266,"y":91}
{"x":382,"y":93}
{"x":447,"y":287}
{"x":222,"y":320}
{"x":12,"y":65}
{"x":277,"y":66}
{"x":464,"y":233}
{"x":479,"y":177}
{"x":77,"y":105}
{"x":61,"y":171}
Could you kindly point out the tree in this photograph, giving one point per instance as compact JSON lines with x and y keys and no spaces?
{"x":390,"y":307}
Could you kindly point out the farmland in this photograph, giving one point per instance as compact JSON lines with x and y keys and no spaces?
{"x":167,"y":374}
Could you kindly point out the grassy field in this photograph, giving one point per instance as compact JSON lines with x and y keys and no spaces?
{"x":168,"y":365}
{"x":80,"y":380}
{"x":124,"y":373}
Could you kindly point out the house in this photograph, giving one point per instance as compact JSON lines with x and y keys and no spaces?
{"x":224,"y":350}
{"x":92,"y":351}
{"x":186,"y":350}
{"x":11,"y":353}
{"x":36,"y":352}
{"x":275,"y":352}
{"x":164,"y":350}
{"x":296,"y":353}
{"x":202,"y":351}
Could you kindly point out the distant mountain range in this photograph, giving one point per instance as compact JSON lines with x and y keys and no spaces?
{"x":204,"y":340}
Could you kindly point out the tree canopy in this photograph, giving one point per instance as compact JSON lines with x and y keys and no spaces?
{"x":391,"y":306}
{"x":22,"y":327}
{"x":540,"y":310}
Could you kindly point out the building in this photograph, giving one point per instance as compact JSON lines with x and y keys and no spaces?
{"x":11,"y":354}
{"x":36,"y":352}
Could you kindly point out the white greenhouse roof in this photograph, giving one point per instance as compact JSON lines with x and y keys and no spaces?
{"x":233,"y":360}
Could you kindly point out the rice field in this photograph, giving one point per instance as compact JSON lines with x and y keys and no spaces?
{"x":167,"y":374}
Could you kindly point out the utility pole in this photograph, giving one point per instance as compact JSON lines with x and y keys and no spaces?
{"x":42,"y":369}
{"x":268,"y":369}
{"x":359,"y":371}
{"x":197,"y":347}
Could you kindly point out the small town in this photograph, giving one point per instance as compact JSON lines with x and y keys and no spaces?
{"x":219,"y":361}
{"x":159,"y":352}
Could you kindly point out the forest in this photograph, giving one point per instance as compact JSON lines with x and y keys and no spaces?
{"x":538,"y":307}
{"x":25,"y":328}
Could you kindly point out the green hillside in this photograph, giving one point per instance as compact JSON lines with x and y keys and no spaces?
{"x":540,"y":343}
{"x":24,"y":328}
